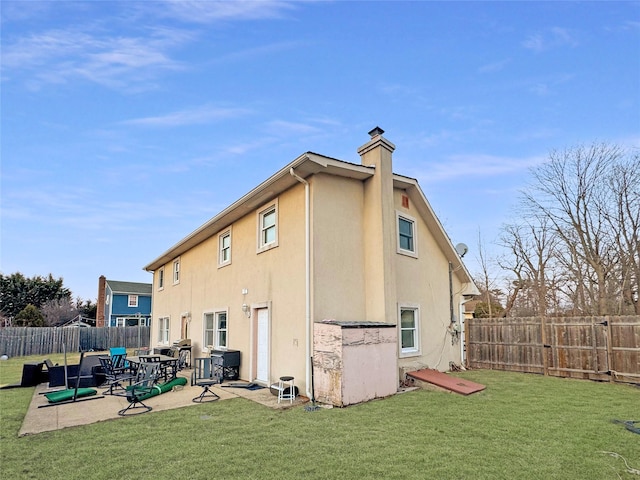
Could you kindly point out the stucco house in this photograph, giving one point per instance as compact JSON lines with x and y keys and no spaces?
{"x":327,"y":268}
{"x":123,"y":304}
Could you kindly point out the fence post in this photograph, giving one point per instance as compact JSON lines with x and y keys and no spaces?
{"x":608,"y":338}
{"x":543,"y":336}
{"x":466,"y":344}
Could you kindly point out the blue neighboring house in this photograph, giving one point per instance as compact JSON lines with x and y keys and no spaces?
{"x":123,"y":304}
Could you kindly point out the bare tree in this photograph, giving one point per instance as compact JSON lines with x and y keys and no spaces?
{"x":487,"y":281}
{"x":58,"y":312}
{"x":576,"y":244}
{"x":624,"y":220}
{"x":532,"y":250}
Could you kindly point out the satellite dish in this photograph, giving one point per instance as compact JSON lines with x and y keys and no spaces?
{"x":462,"y":249}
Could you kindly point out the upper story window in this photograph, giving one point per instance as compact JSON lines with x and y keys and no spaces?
{"x":224,"y":248}
{"x":176,"y":271}
{"x":409,"y":337}
{"x":133,"y":300}
{"x":268,"y":227}
{"x":161,"y":278}
{"x":407,"y":241}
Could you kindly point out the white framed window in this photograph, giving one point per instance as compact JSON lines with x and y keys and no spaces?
{"x":161,"y":278}
{"x":224,"y":248}
{"x":215,"y":329}
{"x":163,"y":330}
{"x":268,"y":227}
{"x":121,"y":322}
{"x":409,"y":326}
{"x":221,"y":329}
{"x":133,"y":300}
{"x":176,"y":271}
{"x":407,"y":235}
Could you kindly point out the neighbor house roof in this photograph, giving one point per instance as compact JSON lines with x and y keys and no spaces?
{"x":130,"y":288}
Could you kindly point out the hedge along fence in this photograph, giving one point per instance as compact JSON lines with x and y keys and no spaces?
{"x":23,"y":341}
{"x":596,"y":348}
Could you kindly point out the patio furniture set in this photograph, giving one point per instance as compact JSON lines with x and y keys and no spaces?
{"x":145,"y":375}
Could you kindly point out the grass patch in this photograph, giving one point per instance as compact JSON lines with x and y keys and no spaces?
{"x":521,"y":426}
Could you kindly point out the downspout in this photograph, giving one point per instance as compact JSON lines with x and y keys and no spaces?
{"x":307,"y":246}
{"x":452,"y":317}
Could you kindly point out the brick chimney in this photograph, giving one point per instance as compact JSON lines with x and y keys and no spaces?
{"x":102,"y":287}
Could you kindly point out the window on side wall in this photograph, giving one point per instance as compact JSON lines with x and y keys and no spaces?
{"x":133,"y":300}
{"x":163,"y":330}
{"x":224,"y":248}
{"x":221,"y":329}
{"x":407,"y":241}
{"x":176,"y":271}
{"x":161,"y":278}
{"x":409,"y":335}
{"x":209,"y":330}
{"x":215,"y":329}
{"x":268,"y":228}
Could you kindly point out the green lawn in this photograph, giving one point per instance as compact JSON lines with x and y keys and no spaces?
{"x":522,"y":426}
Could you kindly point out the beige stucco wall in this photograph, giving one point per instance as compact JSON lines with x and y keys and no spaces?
{"x":356,"y":275}
{"x":424,"y":281}
{"x":338,"y":256}
{"x":341,"y":268}
{"x":274,"y":279}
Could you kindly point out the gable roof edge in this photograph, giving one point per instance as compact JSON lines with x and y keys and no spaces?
{"x":417,"y":196}
{"x":305,"y":165}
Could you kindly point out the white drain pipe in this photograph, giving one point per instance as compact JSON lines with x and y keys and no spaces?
{"x":307,"y":245}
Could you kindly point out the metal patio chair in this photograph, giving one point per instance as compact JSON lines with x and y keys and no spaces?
{"x":115,"y":374}
{"x":141,"y":389}
{"x":205,"y":375}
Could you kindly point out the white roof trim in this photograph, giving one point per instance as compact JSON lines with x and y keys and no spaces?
{"x":305,"y":165}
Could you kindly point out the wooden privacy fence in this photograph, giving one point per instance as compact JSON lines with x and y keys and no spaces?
{"x":596,"y":348}
{"x":23,"y":341}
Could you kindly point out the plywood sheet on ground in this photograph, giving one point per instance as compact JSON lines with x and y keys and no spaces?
{"x":455,"y":384}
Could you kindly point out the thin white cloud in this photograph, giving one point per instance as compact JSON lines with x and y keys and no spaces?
{"x":243,"y":147}
{"x":197,"y":11}
{"x":286,"y":128}
{"x":629,"y":25}
{"x":540,"y":89}
{"x":19,"y":11}
{"x":555,"y":37}
{"x":260,"y":51}
{"x":86,"y":212}
{"x":198,"y":115}
{"x":494,"y":66}
{"x":477,"y":166}
{"x":61,"y":56}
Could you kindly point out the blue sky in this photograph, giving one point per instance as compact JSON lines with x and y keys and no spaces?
{"x":127,"y":125}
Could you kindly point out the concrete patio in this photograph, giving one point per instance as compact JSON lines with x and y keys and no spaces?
{"x":55,"y":417}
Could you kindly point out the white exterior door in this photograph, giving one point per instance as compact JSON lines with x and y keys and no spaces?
{"x":262,"y":346}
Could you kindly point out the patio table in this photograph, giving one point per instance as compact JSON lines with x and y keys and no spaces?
{"x":166,"y":363}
